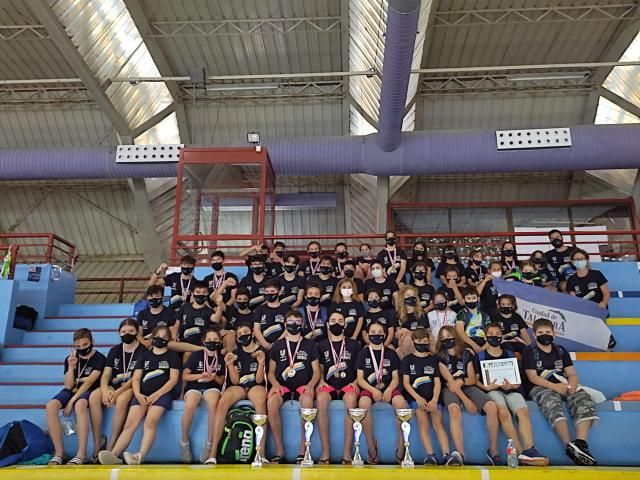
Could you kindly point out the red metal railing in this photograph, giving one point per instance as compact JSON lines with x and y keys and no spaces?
{"x":38,"y":248}
{"x":116,"y":288}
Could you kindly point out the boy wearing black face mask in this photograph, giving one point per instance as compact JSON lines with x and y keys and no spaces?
{"x":220,"y":281}
{"x":349,"y":271}
{"x":342,"y":256}
{"x":419,"y":255}
{"x":326,"y":280}
{"x":181,"y":283}
{"x":268,"y":319}
{"x":470,"y":321}
{"x":314,"y":315}
{"x":196,"y":317}
{"x":475,"y":271}
{"x":240,"y":311}
{"x":393,"y":258}
{"x":559,"y":258}
{"x":292,"y":283}
{"x":294,"y":372}
{"x":553,"y":381}
{"x":515,"y":335}
{"x":155,"y":315}
{"x":426,"y":291}
{"x":309,"y":267}
{"x":255,"y":281}
{"x":509,"y":399}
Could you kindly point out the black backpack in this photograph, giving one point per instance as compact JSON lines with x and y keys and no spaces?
{"x":238,"y":443}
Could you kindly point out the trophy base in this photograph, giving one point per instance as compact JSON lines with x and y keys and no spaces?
{"x":256,"y":464}
{"x":305,"y":463}
{"x":405,"y":464}
{"x":357,"y":463}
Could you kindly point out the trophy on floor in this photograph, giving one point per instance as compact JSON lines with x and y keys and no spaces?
{"x":259,"y":421}
{"x":308,"y":415}
{"x":357,"y":415}
{"x":404,"y":415}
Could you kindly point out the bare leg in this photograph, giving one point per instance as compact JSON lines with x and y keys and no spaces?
{"x":493,"y":425}
{"x":507,"y":426}
{"x":230,"y":396}
{"x":582,"y":429}
{"x":134,"y":418}
{"x":399,"y":402}
{"x":54,"y":426}
{"x":154,"y":415}
{"x":96,"y":414}
{"x":424,"y":430}
{"x":324,"y":399}
{"x":306,"y":401}
{"x":524,"y":425}
{"x":562,"y":430}
{"x":211,"y":399}
{"x":367,"y":428}
{"x":273,"y":407}
{"x":441,"y":433}
{"x":191,"y":402}
{"x":81,"y":408}
{"x":350,"y":401}
{"x":455,"y":423}
{"x":119,"y":416}
{"x":258,"y":396}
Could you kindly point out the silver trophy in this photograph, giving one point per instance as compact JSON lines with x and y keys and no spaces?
{"x":357,"y":415}
{"x":308,"y":415}
{"x":259,"y":421}
{"x":404,"y":415}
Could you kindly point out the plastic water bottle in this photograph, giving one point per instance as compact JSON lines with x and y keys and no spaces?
{"x":512,"y":455}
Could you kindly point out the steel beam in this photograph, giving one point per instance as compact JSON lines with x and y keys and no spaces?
{"x":146,"y":223}
{"x":154,"y":120}
{"x":23,"y":32}
{"x":619,"y":101}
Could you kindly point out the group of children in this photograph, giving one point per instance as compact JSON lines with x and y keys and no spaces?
{"x":363,"y":330}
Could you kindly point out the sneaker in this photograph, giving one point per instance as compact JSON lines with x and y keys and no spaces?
{"x":211,"y":461}
{"x":454,"y":460}
{"x":430,"y":459}
{"x":204,"y":454}
{"x":132,"y":458}
{"x":105,"y":457}
{"x":532,"y":458}
{"x":578,"y":451}
{"x":612,"y":343}
{"x":185,"y":452}
{"x":494,"y":460}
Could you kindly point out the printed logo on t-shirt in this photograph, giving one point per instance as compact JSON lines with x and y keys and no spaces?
{"x":592,"y":286}
{"x":558,"y":365}
{"x":163,"y":364}
{"x":428,"y":370}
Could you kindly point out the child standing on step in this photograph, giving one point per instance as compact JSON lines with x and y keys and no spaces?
{"x":82,"y":369}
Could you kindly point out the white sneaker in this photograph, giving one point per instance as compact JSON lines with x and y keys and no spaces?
{"x":204,"y":454}
{"x":211,"y":461}
{"x":132,"y":458}
{"x":185,"y":452}
{"x":105,"y":457}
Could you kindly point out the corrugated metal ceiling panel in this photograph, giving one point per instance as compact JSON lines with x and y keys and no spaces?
{"x":302,"y":50}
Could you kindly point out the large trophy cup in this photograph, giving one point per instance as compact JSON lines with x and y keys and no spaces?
{"x":404,"y":415}
{"x":308,"y":415}
{"x":357,"y":415}
{"x":259,"y":421}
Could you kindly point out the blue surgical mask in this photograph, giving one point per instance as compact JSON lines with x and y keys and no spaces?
{"x":580,"y":264}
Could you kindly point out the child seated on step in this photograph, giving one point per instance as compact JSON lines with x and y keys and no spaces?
{"x":82,"y":370}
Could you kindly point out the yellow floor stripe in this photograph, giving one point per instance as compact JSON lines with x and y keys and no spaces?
{"x":335,"y":472}
{"x":623,"y":321}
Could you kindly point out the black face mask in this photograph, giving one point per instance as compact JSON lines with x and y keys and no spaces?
{"x":336,"y":329}
{"x":342,"y":254}
{"x":537,"y":260}
{"x":508,"y":252}
{"x":160,"y":342}
{"x":528,"y":275}
{"x":293,"y":328}
{"x":154,"y":302}
{"x":245,"y":340}
{"x":374,"y":303}
{"x":84,"y":351}
{"x":448,"y":343}
{"x":449,"y":255}
{"x":391,"y":241}
{"x":411,"y":301}
{"x":279,"y":253}
{"x":505,"y":310}
{"x":421,"y":347}
{"x":471,"y":305}
{"x":128,"y":338}
{"x":271,"y":297}
{"x":200,"y":299}
{"x":376,"y":339}
{"x":325,"y":270}
{"x":217,"y":266}
{"x":418,"y":253}
{"x":290,"y":268}
{"x":313,"y":301}
{"x":212,"y":346}
{"x":186,"y":270}
{"x":557,"y":242}
{"x":477,"y":263}
{"x":419,"y":275}
{"x":257,"y":270}
{"x":242,"y":305}
{"x":314,"y":254}
{"x":349,"y":273}
{"x":494,"y":341}
{"x":441,"y":305}
{"x":545,"y":339}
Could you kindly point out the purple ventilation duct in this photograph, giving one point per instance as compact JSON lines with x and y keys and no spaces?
{"x":595,"y":147}
{"x":50,"y":164}
{"x":400,"y":39}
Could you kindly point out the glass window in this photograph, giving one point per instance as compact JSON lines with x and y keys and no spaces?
{"x":419,"y":220}
{"x":478,"y":220}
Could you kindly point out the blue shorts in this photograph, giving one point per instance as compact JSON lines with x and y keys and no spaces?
{"x":64,"y":396}
{"x":414,"y":405}
{"x":164,"y":401}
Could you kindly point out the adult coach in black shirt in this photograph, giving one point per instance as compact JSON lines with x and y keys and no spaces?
{"x":559,"y":258}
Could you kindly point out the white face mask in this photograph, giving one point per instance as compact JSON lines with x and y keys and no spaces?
{"x":377,"y":273}
{"x":346,"y":292}
{"x":496,"y":274}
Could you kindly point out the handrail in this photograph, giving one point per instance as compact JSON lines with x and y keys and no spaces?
{"x":120,"y":291}
{"x":39,"y":248}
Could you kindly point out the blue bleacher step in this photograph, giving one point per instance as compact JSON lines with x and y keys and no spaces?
{"x":41,"y":354}
{"x":89,"y":310}
{"x":66,"y":337}
{"x":32,"y":373}
{"x":627,"y":336}
{"x":75,"y":323}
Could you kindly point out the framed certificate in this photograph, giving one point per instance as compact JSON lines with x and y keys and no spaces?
{"x":500,"y":370}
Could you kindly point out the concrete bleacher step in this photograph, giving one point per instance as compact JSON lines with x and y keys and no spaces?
{"x":74,"y":323}
{"x":43,"y":353}
{"x":93,"y":310}
{"x":31,"y":372}
{"x":62,"y":337}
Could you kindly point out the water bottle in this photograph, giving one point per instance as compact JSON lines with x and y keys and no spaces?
{"x":68,"y":425}
{"x":512,"y":455}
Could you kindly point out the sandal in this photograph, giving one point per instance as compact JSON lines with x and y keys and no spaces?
{"x":277,"y":459}
{"x":373,"y":460}
{"x":102,"y":446}
{"x":76,"y":461}
{"x":324,"y":461}
{"x":55,"y":460}
{"x":299,"y":459}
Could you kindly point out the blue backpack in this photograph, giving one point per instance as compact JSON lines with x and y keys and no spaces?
{"x":22,"y":441}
